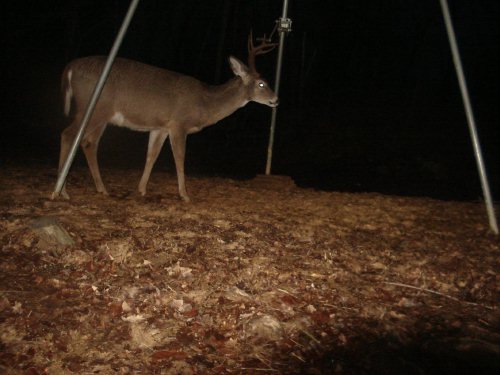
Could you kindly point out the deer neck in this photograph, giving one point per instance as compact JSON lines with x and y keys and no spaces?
{"x":224,"y":99}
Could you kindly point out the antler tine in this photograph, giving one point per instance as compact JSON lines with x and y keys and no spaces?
{"x":251,"y":53}
{"x":262,"y":48}
{"x":250,"y":42}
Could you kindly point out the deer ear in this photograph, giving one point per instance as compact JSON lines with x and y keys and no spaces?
{"x":239,"y":69}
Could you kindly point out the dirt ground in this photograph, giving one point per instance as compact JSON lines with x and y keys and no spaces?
{"x":251,"y":277}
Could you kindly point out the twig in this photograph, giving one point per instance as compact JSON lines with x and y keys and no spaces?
{"x":437,"y":293}
{"x":259,"y":369}
{"x":310,"y":336}
{"x":296,"y":343}
{"x":285,"y":291}
{"x":263,"y":360}
{"x":16,"y":291}
{"x":298,"y":357}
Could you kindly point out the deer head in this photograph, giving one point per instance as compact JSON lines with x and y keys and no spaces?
{"x":258,"y":89}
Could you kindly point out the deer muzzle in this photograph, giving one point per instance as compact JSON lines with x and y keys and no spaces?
{"x":274,"y":102}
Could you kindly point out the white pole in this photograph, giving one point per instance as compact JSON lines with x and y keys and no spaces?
{"x":95,"y":96}
{"x":284,"y":27}
{"x":470,"y":117}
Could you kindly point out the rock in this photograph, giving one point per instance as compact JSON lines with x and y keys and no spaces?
{"x":266,"y":328}
{"x":49,"y":230}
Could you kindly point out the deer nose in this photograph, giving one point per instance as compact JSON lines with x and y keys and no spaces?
{"x":274,"y":102}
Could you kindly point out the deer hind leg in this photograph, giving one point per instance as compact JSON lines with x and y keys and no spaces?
{"x":67,"y":138}
{"x":90,"y":143}
{"x":156,"y":140}
{"x":178,"y":143}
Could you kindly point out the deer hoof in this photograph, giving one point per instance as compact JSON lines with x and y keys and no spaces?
{"x":186,"y":199}
{"x":103,"y":192}
{"x":56,"y":195}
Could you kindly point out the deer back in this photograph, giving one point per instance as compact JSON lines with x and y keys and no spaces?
{"x":146,"y":96}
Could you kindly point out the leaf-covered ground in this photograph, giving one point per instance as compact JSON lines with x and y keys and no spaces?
{"x":251,"y":277}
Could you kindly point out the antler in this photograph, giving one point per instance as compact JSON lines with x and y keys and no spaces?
{"x":264,"y":47}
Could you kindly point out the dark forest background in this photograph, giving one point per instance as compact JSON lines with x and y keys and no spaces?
{"x":369,"y":96}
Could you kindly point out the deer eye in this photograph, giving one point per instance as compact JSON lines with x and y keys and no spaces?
{"x":261,"y":84}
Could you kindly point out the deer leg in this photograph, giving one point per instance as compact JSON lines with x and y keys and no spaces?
{"x":156,"y":140}
{"x":178,"y":143}
{"x":67,"y":137}
{"x":90,"y":144}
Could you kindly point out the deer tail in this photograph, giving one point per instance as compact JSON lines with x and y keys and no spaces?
{"x":67,"y":90}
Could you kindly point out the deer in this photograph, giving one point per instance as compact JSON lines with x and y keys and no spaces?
{"x":164,"y":103}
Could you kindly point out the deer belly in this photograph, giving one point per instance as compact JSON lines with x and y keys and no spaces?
{"x":194,"y":129}
{"x":119,"y":119}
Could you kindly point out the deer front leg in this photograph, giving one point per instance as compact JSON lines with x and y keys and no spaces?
{"x":178,"y":143}
{"x":156,"y":139}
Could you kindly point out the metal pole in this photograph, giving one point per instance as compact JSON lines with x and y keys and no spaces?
{"x":284,"y":27}
{"x":470,"y":117}
{"x":95,"y":96}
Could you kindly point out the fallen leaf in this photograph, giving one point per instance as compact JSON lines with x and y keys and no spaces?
{"x":126,"y":307}
{"x":115,"y":308}
{"x":17,"y":308}
{"x":168,"y":354}
{"x":134,"y":318}
{"x":379,"y":266}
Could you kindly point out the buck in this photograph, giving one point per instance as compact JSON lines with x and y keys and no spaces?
{"x":164,"y":103}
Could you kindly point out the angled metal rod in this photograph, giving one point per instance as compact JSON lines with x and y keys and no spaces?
{"x":281,"y":47}
{"x":470,"y":117}
{"x":94,"y":98}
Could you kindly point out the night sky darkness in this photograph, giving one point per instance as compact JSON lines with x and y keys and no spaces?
{"x":369,"y":96}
